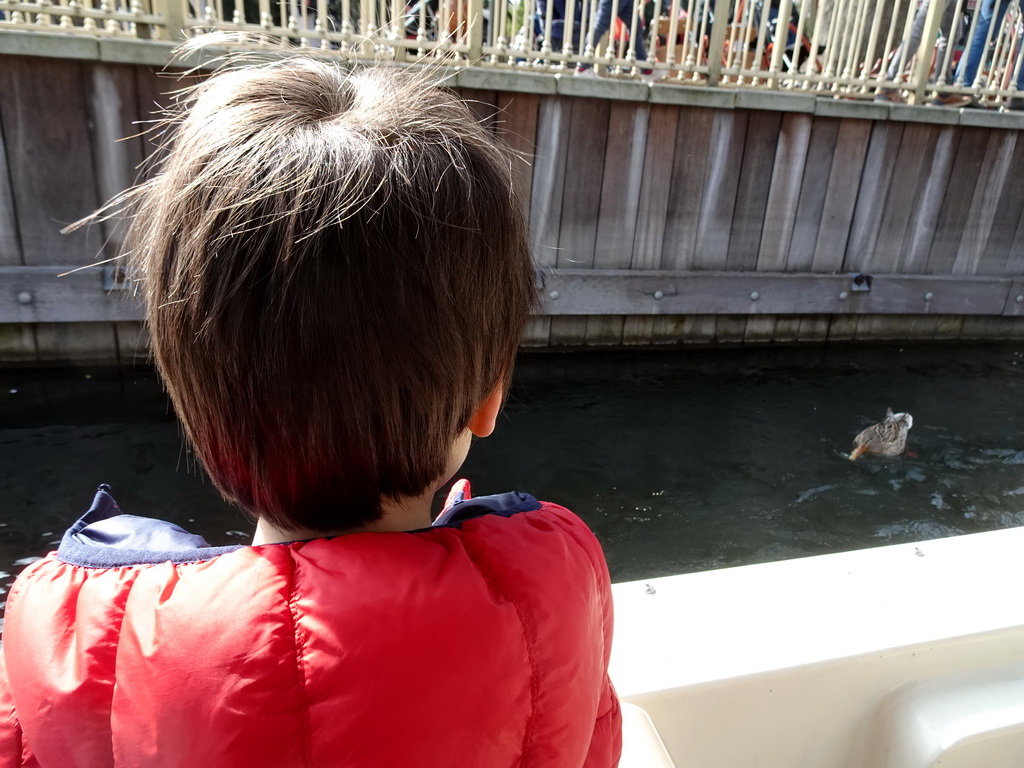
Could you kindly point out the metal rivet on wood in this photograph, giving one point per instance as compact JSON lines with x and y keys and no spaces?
{"x":659,"y":295}
{"x":1020,"y":299}
{"x":929,"y":296}
{"x":755,"y":296}
{"x":553,"y":295}
{"x":24,"y":297}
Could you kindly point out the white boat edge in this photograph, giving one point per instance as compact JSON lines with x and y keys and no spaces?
{"x":901,"y":656}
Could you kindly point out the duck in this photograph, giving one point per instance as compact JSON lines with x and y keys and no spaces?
{"x":887,"y":438}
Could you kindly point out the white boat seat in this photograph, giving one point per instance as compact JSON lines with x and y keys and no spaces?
{"x":642,"y":746}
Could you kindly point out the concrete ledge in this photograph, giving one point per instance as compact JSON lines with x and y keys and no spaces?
{"x":603,"y":88}
{"x":907,"y":113}
{"x":49,"y":44}
{"x":991,"y":118}
{"x":507,"y":80}
{"x":153,"y":53}
{"x":693,"y":96}
{"x":777,"y":101}
{"x":866,"y":110}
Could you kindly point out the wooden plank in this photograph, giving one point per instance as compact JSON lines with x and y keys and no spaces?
{"x":17,"y":343}
{"x":39,"y":295}
{"x":655,"y":189}
{"x":841,"y":195}
{"x":881,"y":328}
{"x":955,"y":205}
{"x":568,"y":331}
{"x":784,"y":192}
{"x":813,"y":189}
{"x":949,"y":327}
{"x":923,"y":327}
{"x":10,"y":242}
{"x":484,"y":105}
{"x":155,"y":96}
{"x":813,"y":328}
{"x":581,"y":198}
{"x":760,"y":329}
{"x":725,"y":159}
{"x":516,"y":125}
{"x":1007,"y":218}
{"x":76,"y":342}
{"x":638,"y":330}
{"x":730,"y":329}
{"x":537,"y":332}
{"x":652,"y":212}
{"x":601,"y":330}
{"x":1015,"y":299}
{"x":787,"y":330}
{"x":132,"y":343}
{"x":113,"y":108}
{"x":753,"y":187}
{"x":698,"y":329}
{"x":47,"y":139}
{"x":990,"y":328}
{"x":871,"y":196}
{"x":624,"y":292}
{"x":620,"y":198}
{"x":842,"y":327}
{"x":916,"y":150}
{"x":668,"y":329}
{"x":689,"y":167}
{"x":933,"y":185}
{"x":549,"y":178}
{"x":995,"y":167}
{"x":581,"y":207}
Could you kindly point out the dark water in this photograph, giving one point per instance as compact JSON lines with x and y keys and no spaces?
{"x":680,"y":461}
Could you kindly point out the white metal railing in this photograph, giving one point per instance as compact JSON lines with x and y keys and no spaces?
{"x":895,"y":50}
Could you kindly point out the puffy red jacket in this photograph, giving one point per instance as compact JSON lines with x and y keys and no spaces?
{"x":482,"y":641}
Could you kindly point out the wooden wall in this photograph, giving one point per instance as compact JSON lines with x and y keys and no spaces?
{"x":610,"y":184}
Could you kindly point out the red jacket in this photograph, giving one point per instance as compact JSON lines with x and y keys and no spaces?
{"x":480,"y":642}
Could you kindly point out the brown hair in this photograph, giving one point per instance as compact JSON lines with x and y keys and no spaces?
{"x":337,"y":273}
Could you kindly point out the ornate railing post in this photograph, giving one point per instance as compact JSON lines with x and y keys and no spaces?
{"x":173,"y":13}
{"x":475,"y":11}
{"x":722,"y":10}
{"x":926,"y":52}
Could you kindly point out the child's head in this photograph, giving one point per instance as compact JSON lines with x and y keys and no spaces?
{"x":337,"y":275}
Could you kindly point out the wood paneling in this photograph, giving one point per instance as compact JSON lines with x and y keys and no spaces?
{"x":608,"y":185}
{"x":689,"y":166}
{"x":10,"y":243}
{"x":52,"y":175}
{"x":758,"y":164}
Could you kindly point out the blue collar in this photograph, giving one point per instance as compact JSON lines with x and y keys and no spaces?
{"x":105,"y":537}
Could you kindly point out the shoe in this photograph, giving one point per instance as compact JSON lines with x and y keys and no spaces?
{"x":953,"y":100}
{"x":650,"y":75}
{"x":1014,"y":104}
{"x":586,"y":72}
{"x":889,"y":96}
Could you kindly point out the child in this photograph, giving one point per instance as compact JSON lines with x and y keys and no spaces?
{"x":337,"y":275}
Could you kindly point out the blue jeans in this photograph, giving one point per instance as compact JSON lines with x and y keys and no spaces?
{"x":969,"y":64}
{"x":624,"y":10}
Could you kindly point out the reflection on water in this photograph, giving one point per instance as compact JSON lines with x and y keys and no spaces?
{"x":680,"y":461}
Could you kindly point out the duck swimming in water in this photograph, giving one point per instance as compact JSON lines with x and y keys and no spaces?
{"x":888,"y":438}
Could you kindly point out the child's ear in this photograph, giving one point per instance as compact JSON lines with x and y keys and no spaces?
{"x":481,"y":423}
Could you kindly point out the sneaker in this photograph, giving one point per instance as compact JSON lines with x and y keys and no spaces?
{"x":952,"y":100}
{"x":1014,"y":104}
{"x":650,"y":75}
{"x":586,"y":72}
{"x":889,"y":96}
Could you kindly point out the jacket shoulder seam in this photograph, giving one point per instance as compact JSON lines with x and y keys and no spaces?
{"x":531,"y":656}
{"x":300,"y":665}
